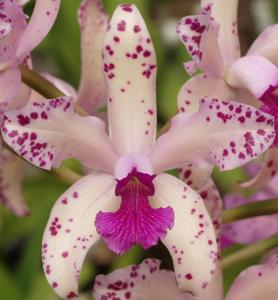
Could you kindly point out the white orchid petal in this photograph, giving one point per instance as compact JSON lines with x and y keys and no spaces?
{"x":191,"y":242}
{"x":70,"y":231}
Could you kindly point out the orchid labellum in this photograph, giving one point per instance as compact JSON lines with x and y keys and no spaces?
{"x":211,"y":38}
{"x":128,"y":199}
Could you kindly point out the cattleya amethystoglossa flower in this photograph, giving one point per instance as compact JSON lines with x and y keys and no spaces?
{"x":253,"y":229}
{"x":146,"y":281}
{"x":18,"y":38}
{"x":129,"y":200}
{"x":211,"y":38}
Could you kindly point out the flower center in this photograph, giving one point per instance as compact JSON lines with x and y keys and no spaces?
{"x":136,"y":222}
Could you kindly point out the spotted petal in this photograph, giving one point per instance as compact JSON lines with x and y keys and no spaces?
{"x":139,"y":282}
{"x":42,"y":20}
{"x":199,"y":35}
{"x":266,"y":44}
{"x":256,"y":283}
{"x":268,"y":170}
{"x":199,"y":179}
{"x":70,"y":231}
{"x":10,"y":185}
{"x":226,"y":134}
{"x":191,"y":242}
{"x":130,"y":72}
{"x":47,"y":132}
{"x":254,"y":73}
{"x":202,"y":86}
{"x":93,"y":23}
{"x":225,"y":14}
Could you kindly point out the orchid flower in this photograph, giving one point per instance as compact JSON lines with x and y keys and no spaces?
{"x":129,"y":200}
{"x":92,"y":90}
{"x":253,"y":229}
{"x":18,"y":38}
{"x":146,"y":281}
{"x":211,"y":39}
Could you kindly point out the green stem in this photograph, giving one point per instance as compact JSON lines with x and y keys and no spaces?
{"x":248,"y":210}
{"x":39,"y":83}
{"x":67,"y":175}
{"x":251,"y":251}
{"x":44,"y":87}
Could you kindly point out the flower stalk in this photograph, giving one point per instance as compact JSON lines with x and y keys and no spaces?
{"x":250,"y":251}
{"x":44,"y":87}
{"x":249,"y":210}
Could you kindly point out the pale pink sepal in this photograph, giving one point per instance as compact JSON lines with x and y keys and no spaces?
{"x":256,"y":282}
{"x":203,"y":86}
{"x":10,"y":84}
{"x":46,"y":132}
{"x":42,"y":20}
{"x":130,"y":73}
{"x":225,"y":14}
{"x":11,"y":174}
{"x":266,"y":44}
{"x":226,"y":134}
{"x":93,"y":24}
{"x":269,"y":169}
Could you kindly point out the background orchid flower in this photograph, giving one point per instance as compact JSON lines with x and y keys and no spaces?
{"x":91,"y":94}
{"x":252,"y":229}
{"x":18,"y":39}
{"x":130,"y":201}
{"x":211,"y":38}
{"x":146,"y":281}
{"x":93,"y":22}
